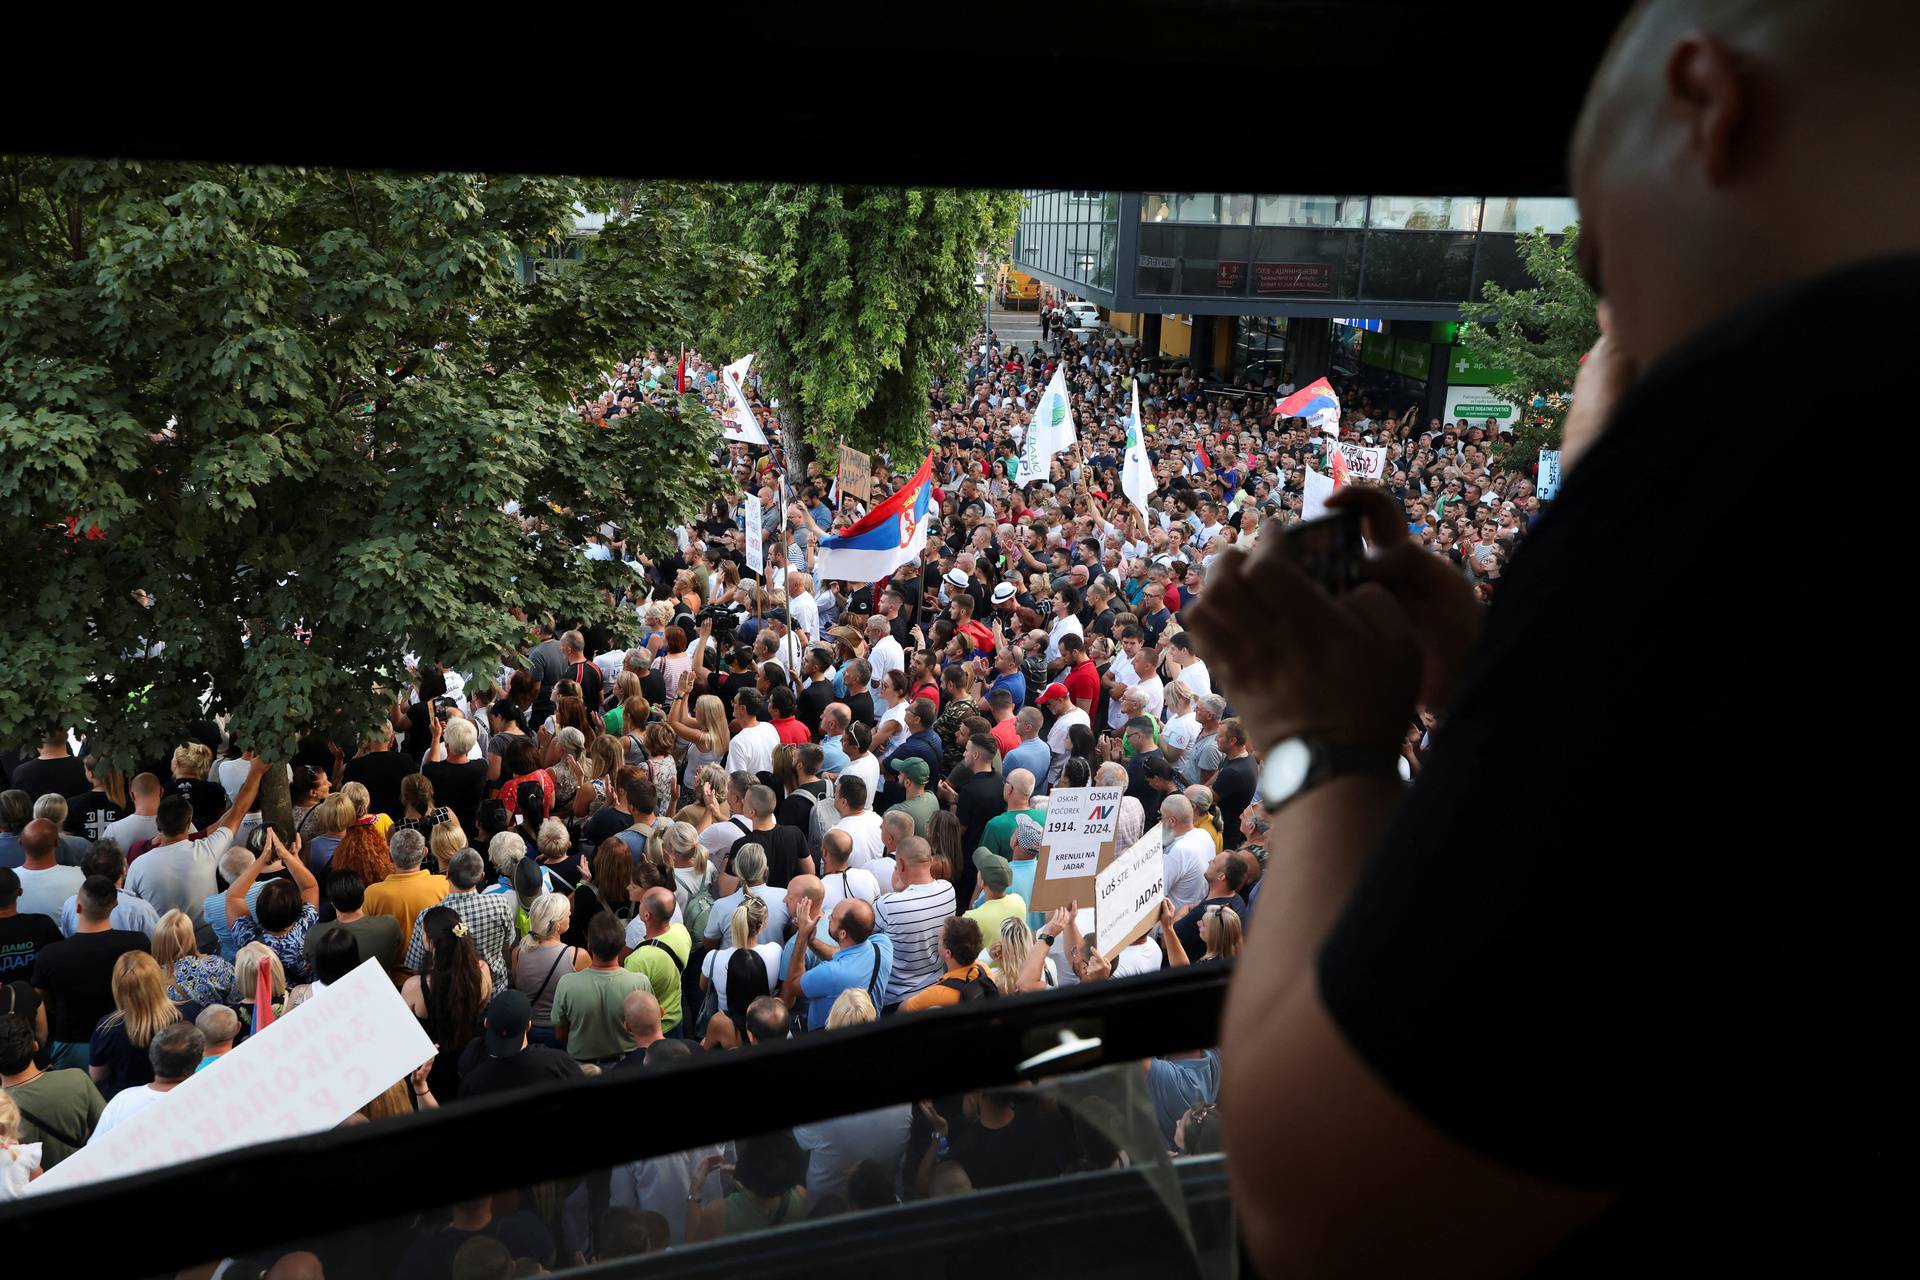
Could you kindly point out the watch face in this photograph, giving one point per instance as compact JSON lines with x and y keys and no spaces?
{"x":1285,"y":771}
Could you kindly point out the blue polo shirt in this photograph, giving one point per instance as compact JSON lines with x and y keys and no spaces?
{"x":1015,"y":683}
{"x":851,"y":967}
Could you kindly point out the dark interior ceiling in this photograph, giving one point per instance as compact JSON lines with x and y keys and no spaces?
{"x":1270,"y":95}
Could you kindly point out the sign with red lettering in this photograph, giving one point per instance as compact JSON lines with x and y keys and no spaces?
{"x":1292,"y":277}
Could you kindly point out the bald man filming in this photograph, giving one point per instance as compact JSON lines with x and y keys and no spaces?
{"x":1592,"y":996}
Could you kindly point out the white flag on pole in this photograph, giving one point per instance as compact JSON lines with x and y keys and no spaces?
{"x":1136,"y":476}
{"x":1056,"y":415}
{"x":739,"y":423}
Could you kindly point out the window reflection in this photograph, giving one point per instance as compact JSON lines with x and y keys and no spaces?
{"x":1425,"y":213}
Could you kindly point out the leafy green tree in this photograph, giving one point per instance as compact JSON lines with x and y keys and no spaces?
{"x":294,"y":405}
{"x":866,"y":297}
{"x":1539,"y":334}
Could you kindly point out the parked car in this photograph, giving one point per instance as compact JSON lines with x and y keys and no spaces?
{"x":1082,"y":315}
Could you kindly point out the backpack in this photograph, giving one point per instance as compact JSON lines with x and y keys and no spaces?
{"x":747,"y":981}
{"x":979,"y":987}
{"x":698,"y":907}
{"x":826,"y":816}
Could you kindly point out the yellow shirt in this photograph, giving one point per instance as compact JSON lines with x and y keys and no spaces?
{"x":404,"y":895}
{"x":991,"y":915}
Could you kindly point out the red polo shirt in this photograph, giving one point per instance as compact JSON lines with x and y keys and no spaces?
{"x":1083,"y":683}
{"x":791,"y":730}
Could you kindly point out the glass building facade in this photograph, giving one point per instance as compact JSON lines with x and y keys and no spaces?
{"x":1222,"y":253}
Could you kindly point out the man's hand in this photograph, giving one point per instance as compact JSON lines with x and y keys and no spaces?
{"x":1437,"y":600}
{"x":1300,"y":662}
{"x":1604,"y":377}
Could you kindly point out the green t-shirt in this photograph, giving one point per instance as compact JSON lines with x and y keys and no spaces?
{"x":68,"y":1101}
{"x":998,"y":836}
{"x":589,"y":1004}
{"x":614,"y":719}
{"x":652,"y":961}
{"x":921,"y":809}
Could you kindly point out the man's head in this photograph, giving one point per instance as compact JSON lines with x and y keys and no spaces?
{"x":916,"y":858}
{"x":809,"y":888}
{"x":176,"y":1052}
{"x":219,"y":1024}
{"x":913,"y":773}
{"x":850,"y":797}
{"x":835,"y":848}
{"x":1706,"y":121}
{"x":175,"y":815}
{"x":97,"y":898}
{"x":766,"y":1020}
{"x":851,"y":922}
{"x":960,"y":942}
{"x":1177,"y":814}
{"x":896,"y":828}
{"x":640,"y":1015}
{"x":40,"y":841}
{"x":467,"y":870}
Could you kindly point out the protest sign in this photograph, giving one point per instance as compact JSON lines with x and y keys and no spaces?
{"x":1317,"y":489}
{"x":756,"y":537}
{"x":308,"y":1071}
{"x":1549,"y":482}
{"x":855,"y":479}
{"x":1127,"y":895}
{"x":1365,"y":463}
{"x":1077,"y":842}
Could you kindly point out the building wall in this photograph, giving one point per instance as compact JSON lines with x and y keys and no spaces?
{"x":1176,"y":336}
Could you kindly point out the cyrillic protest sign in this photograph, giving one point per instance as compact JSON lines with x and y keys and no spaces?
{"x":308,"y":1071}
{"x":856,"y":475}
{"x":1549,"y":482}
{"x":1077,"y":842}
{"x":1127,"y":895}
{"x":756,"y":537}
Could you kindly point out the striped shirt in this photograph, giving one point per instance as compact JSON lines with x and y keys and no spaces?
{"x":912,"y":920}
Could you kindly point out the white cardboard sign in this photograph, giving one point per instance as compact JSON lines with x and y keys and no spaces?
{"x":308,"y":1071}
{"x":1127,"y":894}
{"x":1549,"y":483}
{"x":1315,"y":489}
{"x":756,"y":536}
{"x":1079,"y":821}
{"x":1365,"y":463}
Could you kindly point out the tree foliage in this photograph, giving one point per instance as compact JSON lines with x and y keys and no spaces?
{"x":1539,"y":334}
{"x":865,"y":298}
{"x":359,"y":381}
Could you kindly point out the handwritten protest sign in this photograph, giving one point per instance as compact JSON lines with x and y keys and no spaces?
{"x":1549,"y":482}
{"x":308,"y":1071}
{"x":1365,"y":463}
{"x":1127,"y":894}
{"x":856,"y":475}
{"x":1077,"y":842}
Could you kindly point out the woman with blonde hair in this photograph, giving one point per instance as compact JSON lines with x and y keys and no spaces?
{"x":604,"y":759}
{"x":118,"y":1055}
{"x":626,"y":685}
{"x":676,"y":845}
{"x":362,"y":805}
{"x":203,"y":980}
{"x":717,"y":970}
{"x":543,"y":959}
{"x":1220,"y":933}
{"x":447,"y":839}
{"x":569,"y":770}
{"x":851,"y":1008}
{"x":704,"y":730}
{"x":332,"y":818}
{"x":1009,"y":953}
{"x":246,"y":980}
{"x":208,"y":798}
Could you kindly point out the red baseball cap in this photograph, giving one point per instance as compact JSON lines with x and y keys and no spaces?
{"x":1055,"y":690}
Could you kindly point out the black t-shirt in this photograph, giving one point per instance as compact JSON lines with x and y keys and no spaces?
{"x":481,"y":1074}
{"x":653,"y":687}
{"x":380,"y":773}
{"x":23,"y":936}
{"x":89,"y":814}
{"x":61,"y":776}
{"x":1233,"y":788}
{"x":861,"y":705}
{"x":431,"y":1255}
{"x":1188,"y":929}
{"x":784,"y":847}
{"x":208,"y":798}
{"x":1037,"y":1144}
{"x":457,"y":787}
{"x":606,"y":821}
{"x":796,"y":808}
{"x":77,"y":975}
{"x":1678,"y":995}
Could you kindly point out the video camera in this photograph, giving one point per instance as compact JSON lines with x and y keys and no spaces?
{"x":726,"y":623}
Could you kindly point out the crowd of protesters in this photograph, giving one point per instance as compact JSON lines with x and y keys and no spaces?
{"x":731,"y":807}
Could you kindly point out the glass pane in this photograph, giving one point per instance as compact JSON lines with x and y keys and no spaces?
{"x":1159,"y":259}
{"x":1196,"y":206}
{"x":1155,"y":206}
{"x":1410,"y":267}
{"x":1236,"y":210}
{"x":1312,"y":211}
{"x":1528,"y":213}
{"x":1425,"y":213}
{"x":1305,"y":263}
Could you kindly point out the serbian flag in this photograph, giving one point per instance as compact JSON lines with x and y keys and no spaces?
{"x":1199,"y":461}
{"x":262,"y":998}
{"x":891,"y":534}
{"x":1337,"y":463}
{"x":680,"y":377}
{"x":1316,"y":403}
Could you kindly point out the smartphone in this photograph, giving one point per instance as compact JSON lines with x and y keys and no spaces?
{"x":1329,"y":550}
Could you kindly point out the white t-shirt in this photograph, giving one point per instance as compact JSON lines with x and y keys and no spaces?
{"x":854,"y":882}
{"x":42,"y":892}
{"x":715,"y":968}
{"x":1186,"y":862}
{"x":1155,"y":691}
{"x":131,"y":830}
{"x":610,"y":663}
{"x":1196,"y":677}
{"x":1124,"y":678}
{"x":836,"y":1145}
{"x":867,"y":769}
{"x":886,"y":656}
{"x":1181,"y":732}
{"x":805,"y":615}
{"x":180,"y":876}
{"x":865,"y":829}
{"x":882,"y":869}
{"x":752,"y":749}
{"x":127,"y":1104}
{"x":1068,"y":625}
{"x":895,"y":714}
{"x":1057,"y":742}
